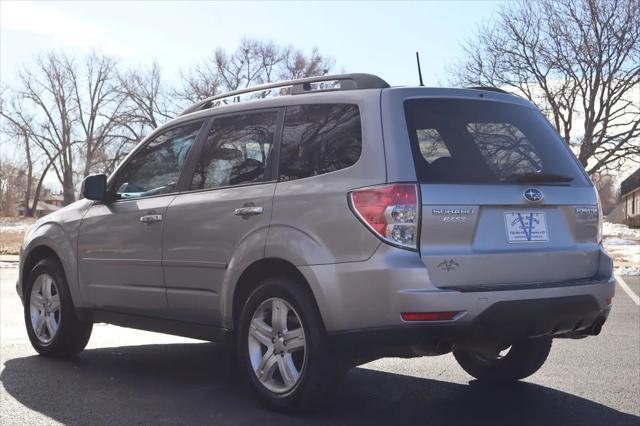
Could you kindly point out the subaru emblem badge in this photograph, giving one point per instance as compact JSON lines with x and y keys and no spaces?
{"x":533,"y":195}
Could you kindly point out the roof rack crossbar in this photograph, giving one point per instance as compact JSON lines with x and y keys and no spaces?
{"x":295,"y":87}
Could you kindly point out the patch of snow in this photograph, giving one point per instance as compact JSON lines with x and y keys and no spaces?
{"x":15,"y":225}
{"x":614,"y":241}
{"x":623,"y":244}
{"x":621,"y":231}
{"x":626,"y":270}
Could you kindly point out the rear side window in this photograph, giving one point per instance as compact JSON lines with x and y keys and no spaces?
{"x":318,"y":139}
{"x":472,"y":141}
{"x":236,"y":151}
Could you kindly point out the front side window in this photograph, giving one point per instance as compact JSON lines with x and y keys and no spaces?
{"x":155,"y":169}
{"x":236,"y":151}
{"x":318,"y":139}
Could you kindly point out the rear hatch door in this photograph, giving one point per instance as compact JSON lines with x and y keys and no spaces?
{"x":504,"y":202}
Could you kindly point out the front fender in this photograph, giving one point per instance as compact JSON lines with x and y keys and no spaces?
{"x":58,"y":232}
{"x":54,"y":237}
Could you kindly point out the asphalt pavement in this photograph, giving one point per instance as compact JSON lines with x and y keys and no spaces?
{"x":129,"y":377}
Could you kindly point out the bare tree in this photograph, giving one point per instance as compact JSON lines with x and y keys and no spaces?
{"x":607,"y":190}
{"x":99,"y":104}
{"x":148,"y":102}
{"x":16,"y":125}
{"x":12,"y":183}
{"x":578,"y":61}
{"x":298,"y":65}
{"x":47,"y":90}
{"x":75,"y":114}
{"x":253,"y":62}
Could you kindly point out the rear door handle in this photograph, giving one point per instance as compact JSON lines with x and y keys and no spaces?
{"x":248,"y":211}
{"x":151,"y":218}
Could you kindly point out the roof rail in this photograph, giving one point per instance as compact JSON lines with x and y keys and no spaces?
{"x":293,"y":87}
{"x":489,"y":89}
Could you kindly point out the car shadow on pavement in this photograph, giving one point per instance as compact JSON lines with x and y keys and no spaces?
{"x":199,"y":384}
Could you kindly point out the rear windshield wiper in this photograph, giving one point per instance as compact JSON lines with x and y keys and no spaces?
{"x":540,"y":177}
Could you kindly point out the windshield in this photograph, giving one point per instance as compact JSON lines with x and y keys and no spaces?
{"x":477,"y":141}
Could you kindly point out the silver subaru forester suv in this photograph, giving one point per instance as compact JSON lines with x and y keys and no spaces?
{"x":326,"y":222}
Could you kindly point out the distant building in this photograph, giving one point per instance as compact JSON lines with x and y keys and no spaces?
{"x":47,"y":203}
{"x":630,"y":195}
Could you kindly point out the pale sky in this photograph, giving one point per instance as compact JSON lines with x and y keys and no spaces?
{"x":365,"y":36}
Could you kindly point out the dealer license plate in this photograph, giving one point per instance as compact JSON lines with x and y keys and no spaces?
{"x":525,"y":227}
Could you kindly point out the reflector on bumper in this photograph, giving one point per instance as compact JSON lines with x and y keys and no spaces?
{"x":428,"y":316}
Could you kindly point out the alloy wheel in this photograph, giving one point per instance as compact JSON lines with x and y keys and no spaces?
{"x":277,"y":345}
{"x":45,"y":308}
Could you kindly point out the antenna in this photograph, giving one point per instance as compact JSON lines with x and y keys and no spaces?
{"x":419,"y":70}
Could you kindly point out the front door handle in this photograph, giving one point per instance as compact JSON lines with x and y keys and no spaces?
{"x":151,"y":218}
{"x":248,"y":211}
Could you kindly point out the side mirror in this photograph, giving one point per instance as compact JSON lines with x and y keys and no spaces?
{"x":94,"y":187}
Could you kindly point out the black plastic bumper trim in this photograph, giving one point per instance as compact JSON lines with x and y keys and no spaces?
{"x":528,"y":286}
{"x":505,"y":321}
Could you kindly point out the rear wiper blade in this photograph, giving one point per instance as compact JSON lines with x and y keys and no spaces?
{"x":539,"y":177}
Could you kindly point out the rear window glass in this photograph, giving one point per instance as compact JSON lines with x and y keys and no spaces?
{"x":471,"y":141}
{"x":318,"y":139}
{"x":432,"y":145}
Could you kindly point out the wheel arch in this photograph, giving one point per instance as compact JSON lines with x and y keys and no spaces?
{"x":258,"y":270}
{"x":51,"y":241}
{"x":34,"y":256}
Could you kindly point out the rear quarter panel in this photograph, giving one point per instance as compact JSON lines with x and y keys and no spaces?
{"x":312,"y":222}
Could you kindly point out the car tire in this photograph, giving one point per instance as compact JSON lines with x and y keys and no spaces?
{"x":522,"y":360}
{"x":307,"y":369}
{"x":53,"y":326}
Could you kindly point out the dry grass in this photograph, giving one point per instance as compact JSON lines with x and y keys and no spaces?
{"x":10,"y":243}
{"x":12,"y":230}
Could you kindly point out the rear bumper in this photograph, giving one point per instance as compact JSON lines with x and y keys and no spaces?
{"x":501,"y":323}
{"x":499,"y":326}
{"x":369,"y":297}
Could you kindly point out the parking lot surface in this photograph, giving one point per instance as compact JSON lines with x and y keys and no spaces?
{"x":134,"y":377}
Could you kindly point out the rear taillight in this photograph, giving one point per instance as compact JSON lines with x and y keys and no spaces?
{"x":391,"y":211}
{"x":600,"y":219}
